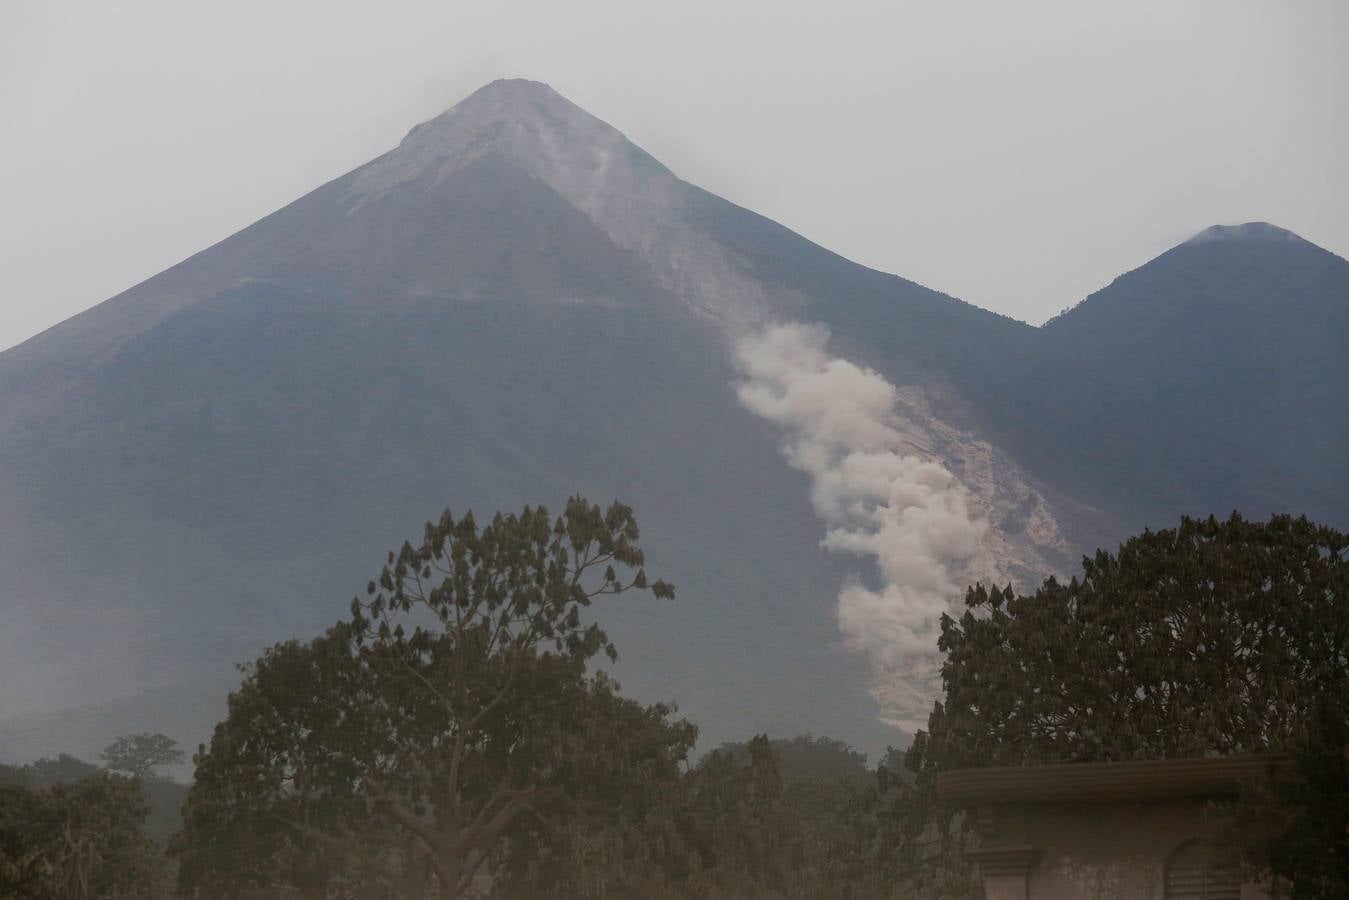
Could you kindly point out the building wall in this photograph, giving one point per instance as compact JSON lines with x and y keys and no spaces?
{"x":1109,"y":850}
{"x":1101,"y":851}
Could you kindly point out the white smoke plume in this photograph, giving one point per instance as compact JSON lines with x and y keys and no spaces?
{"x":910,"y":515}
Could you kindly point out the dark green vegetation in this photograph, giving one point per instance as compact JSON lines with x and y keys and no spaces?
{"x":1298,"y":824}
{"x":224,"y":442}
{"x":78,"y":839}
{"x":69,"y":829}
{"x":1212,"y":638}
{"x":452,"y":737}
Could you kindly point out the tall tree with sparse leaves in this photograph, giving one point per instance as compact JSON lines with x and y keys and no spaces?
{"x":450,"y":722}
{"x":139,"y":755}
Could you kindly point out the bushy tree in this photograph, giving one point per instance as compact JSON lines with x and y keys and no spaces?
{"x":1215,"y":637}
{"x":1293,"y":824}
{"x":444,"y":732}
{"x":722,"y":830}
{"x":165,"y":796}
{"x":78,"y":840}
{"x":738,"y":826}
{"x":1212,"y":637}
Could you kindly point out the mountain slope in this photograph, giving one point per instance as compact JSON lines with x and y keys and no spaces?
{"x":219,"y":458}
{"x":1241,"y":332}
{"x":1075,"y":435}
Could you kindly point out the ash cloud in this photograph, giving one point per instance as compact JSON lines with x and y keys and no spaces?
{"x":909,"y":515}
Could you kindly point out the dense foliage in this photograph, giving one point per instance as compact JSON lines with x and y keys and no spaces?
{"x":737,"y":826}
{"x":1212,"y":637}
{"x":1295,"y":823}
{"x":82,"y":839}
{"x":1209,"y":638}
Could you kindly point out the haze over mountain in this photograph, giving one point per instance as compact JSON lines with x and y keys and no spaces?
{"x":517,"y":304}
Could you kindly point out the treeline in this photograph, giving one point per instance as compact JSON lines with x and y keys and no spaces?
{"x":451,"y":737}
{"x":803,"y":817}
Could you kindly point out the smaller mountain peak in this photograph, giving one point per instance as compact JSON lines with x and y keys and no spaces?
{"x":1249,"y":231}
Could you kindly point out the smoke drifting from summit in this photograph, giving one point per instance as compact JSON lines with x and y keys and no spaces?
{"x":911,"y":515}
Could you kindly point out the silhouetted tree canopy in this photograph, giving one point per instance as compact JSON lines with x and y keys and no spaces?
{"x":445,"y":731}
{"x":1295,"y":823}
{"x":734,"y":827}
{"x":82,"y":839}
{"x":140,"y":754}
{"x":1209,"y":638}
{"x":1212,"y":637}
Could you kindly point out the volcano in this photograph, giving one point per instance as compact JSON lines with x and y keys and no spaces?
{"x":517,"y":304}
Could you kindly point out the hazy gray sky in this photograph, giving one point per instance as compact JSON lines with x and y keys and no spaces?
{"x":1017,"y":155}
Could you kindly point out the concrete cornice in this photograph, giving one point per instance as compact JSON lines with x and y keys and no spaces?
{"x":1144,"y":780}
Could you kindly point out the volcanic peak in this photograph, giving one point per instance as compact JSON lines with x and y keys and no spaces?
{"x":528,"y":123}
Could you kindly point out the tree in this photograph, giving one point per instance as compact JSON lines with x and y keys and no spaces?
{"x":740,"y":825}
{"x":1293,"y":825}
{"x":140,"y":754}
{"x":915,"y":842}
{"x":723,"y":830}
{"x":80,"y":840}
{"x":1209,"y":638}
{"x":445,"y":731}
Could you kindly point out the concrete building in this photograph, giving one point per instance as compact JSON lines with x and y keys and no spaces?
{"x":1104,"y":831}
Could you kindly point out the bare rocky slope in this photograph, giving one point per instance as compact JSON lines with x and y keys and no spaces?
{"x":518,"y":304}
